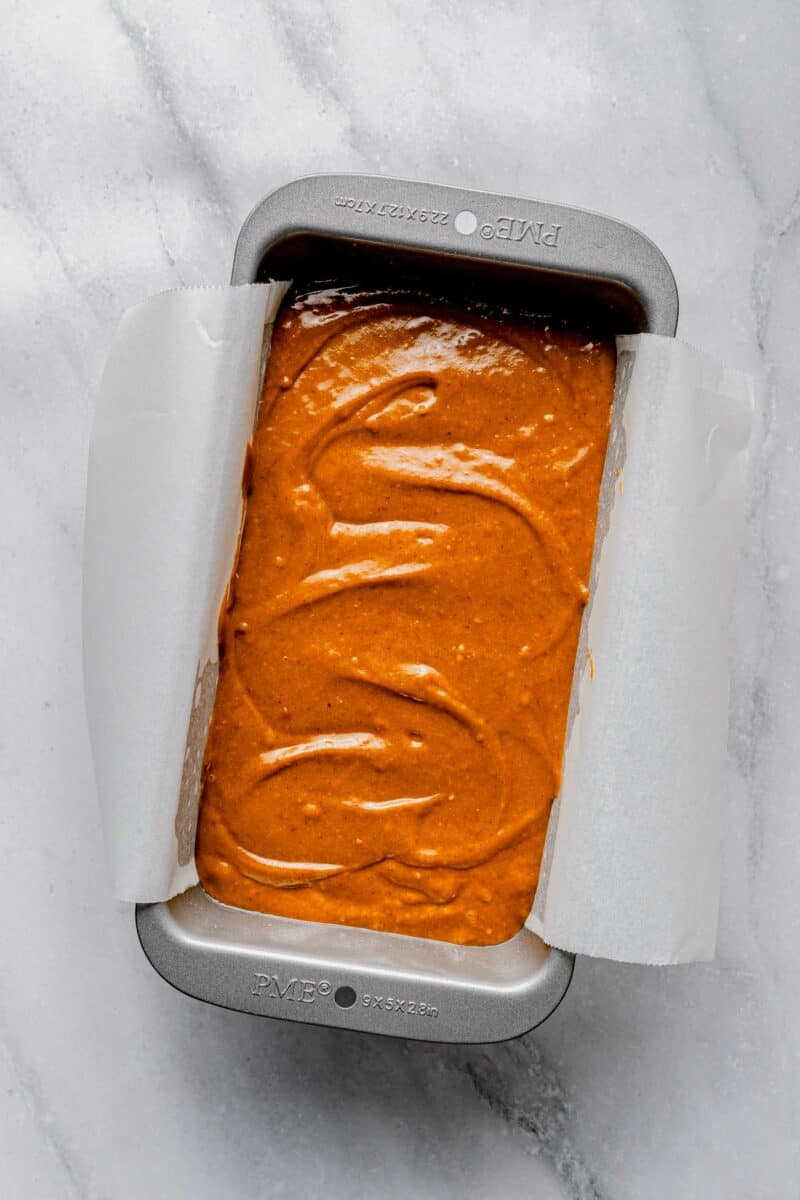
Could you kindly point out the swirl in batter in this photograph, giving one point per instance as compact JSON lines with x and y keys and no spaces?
{"x":399,"y":640}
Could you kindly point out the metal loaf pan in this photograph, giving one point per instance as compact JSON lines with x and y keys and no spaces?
{"x":565,"y":264}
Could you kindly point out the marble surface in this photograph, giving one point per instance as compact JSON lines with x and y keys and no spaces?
{"x":134,"y":139}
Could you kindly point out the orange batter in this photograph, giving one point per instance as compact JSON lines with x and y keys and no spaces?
{"x":397,"y":654}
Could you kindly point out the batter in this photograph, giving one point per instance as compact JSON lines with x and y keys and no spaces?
{"x":398,"y":645}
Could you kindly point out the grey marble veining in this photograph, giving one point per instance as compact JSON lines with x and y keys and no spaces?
{"x":134,"y":138}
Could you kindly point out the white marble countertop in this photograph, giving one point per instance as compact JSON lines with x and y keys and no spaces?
{"x":135,"y":137}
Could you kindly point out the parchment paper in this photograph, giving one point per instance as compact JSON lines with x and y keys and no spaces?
{"x":631,"y":862}
{"x":163,"y":509}
{"x":631,"y":866}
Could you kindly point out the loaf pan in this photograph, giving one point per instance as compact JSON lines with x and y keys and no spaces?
{"x":566,"y":265}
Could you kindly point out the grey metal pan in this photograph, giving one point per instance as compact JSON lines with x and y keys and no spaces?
{"x":565,"y":264}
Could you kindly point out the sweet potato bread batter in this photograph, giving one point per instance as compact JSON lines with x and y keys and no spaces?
{"x":398,"y":646}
